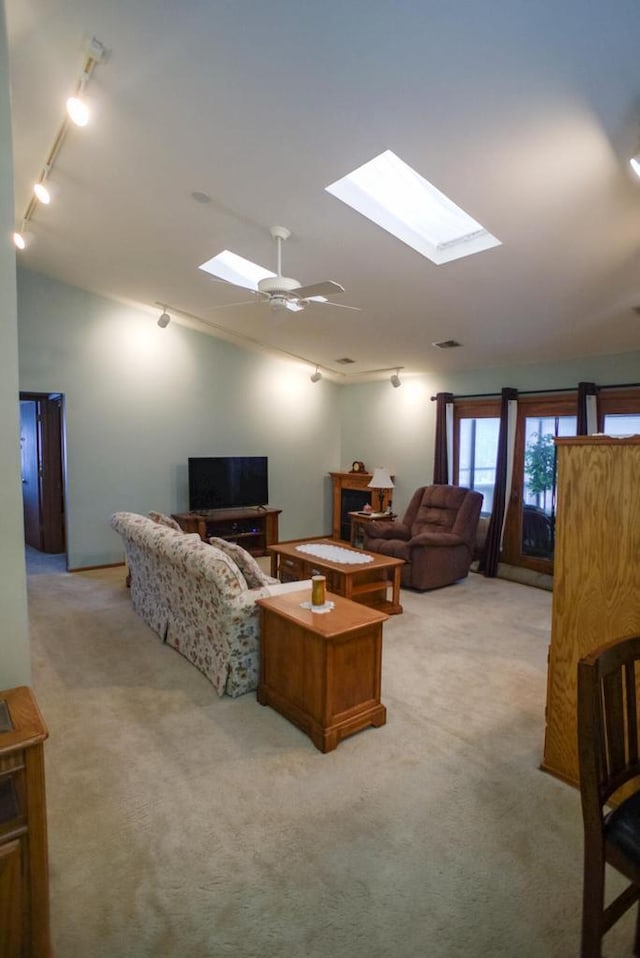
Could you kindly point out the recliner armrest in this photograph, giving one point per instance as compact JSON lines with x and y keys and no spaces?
{"x":437,"y":539}
{"x":387,"y":530}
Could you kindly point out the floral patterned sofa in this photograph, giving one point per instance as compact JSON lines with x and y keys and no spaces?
{"x":195,"y":598}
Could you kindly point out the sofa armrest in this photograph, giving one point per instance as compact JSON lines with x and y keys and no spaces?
{"x":387,"y":530}
{"x":248,"y":597}
{"x":436,"y":539}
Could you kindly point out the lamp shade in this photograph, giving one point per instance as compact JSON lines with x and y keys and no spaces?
{"x":381,"y":479}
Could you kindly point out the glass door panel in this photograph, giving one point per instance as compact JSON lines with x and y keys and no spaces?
{"x":478,"y":448}
{"x":537,"y":535}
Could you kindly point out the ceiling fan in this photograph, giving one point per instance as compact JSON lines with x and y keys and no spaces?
{"x":282,"y":292}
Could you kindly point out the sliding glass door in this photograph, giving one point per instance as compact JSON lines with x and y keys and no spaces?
{"x":529,"y":535}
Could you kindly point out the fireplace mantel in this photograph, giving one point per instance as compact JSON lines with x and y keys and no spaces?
{"x":342,"y":481}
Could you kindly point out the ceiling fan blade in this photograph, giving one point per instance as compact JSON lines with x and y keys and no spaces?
{"x":244,"y":302}
{"x":318,"y":289}
{"x":327,"y":302}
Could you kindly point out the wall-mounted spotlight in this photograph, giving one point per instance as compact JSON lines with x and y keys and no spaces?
{"x":316,"y":377}
{"x":395,"y":379}
{"x":164,"y":319}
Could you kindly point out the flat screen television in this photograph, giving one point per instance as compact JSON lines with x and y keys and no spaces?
{"x":227,"y":482}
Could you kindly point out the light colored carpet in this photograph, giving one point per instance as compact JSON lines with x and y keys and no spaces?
{"x":182,"y":824}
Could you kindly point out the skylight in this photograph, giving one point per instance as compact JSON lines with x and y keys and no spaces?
{"x":390,"y":193}
{"x":237,"y":270}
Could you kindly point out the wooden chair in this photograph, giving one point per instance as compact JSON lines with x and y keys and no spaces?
{"x":608,"y":754}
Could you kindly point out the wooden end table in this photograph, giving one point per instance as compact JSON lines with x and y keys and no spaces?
{"x":322,"y":671}
{"x":359,"y":520}
{"x":364,"y":582}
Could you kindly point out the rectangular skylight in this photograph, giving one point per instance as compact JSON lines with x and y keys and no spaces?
{"x":237,"y":270}
{"x":390,"y":193}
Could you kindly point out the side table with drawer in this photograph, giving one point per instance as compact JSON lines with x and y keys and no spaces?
{"x":24,"y":869}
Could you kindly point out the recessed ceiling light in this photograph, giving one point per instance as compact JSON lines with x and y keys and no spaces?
{"x":200,"y":197}
{"x":390,"y":193}
{"x":236,"y":269}
{"x":447,"y":344}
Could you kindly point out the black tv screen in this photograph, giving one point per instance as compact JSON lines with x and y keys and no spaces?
{"x":224,"y":482}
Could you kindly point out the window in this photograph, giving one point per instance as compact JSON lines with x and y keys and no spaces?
{"x":475,"y":447}
{"x":478,"y":454}
{"x":390,"y":193}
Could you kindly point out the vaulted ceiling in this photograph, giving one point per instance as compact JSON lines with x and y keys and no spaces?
{"x":525,"y":114}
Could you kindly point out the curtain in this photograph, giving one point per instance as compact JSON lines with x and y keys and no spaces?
{"x":443,"y":455}
{"x":587,"y":423}
{"x":502,"y":488}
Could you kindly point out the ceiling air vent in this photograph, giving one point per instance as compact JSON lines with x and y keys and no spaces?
{"x":447,"y":344}
{"x":345,"y":361}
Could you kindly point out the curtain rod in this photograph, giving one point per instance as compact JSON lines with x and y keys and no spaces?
{"x":535,"y":392}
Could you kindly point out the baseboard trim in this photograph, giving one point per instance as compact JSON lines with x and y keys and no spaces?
{"x":92,"y":568}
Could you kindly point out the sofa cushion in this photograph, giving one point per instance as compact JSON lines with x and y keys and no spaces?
{"x":248,"y":566}
{"x":167,"y":521}
{"x":231,"y":571}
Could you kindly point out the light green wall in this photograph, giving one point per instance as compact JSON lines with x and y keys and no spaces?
{"x":391,"y":427}
{"x":140,"y":400}
{"x":14,"y":647}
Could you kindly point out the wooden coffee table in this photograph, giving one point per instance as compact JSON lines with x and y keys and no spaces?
{"x":322,"y":671}
{"x":365,"y":582}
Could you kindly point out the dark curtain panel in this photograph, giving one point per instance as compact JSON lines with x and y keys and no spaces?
{"x":489,"y":561}
{"x":584,"y":390}
{"x":440,"y":460}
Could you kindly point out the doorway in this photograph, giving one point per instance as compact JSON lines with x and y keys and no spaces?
{"x":43,"y":471}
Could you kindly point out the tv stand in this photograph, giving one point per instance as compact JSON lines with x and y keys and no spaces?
{"x":255,"y":528}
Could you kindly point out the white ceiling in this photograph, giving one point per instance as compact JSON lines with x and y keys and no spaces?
{"x":524,"y":113}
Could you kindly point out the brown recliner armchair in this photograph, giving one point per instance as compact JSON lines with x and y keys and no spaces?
{"x":436,"y":536}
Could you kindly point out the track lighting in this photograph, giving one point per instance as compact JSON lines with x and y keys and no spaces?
{"x":395,"y":379}
{"x":316,"y":377}
{"x":634,"y":163}
{"x":164,"y":319}
{"x":78,"y":110}
{"x":43,"y":191}
{"x":22,"y":239}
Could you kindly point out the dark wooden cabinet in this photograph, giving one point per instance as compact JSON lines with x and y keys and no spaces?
{"x":252,"y":528}
{"x":24,"y":869}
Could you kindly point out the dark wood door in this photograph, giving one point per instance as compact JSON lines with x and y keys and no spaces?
{"x":41,"y":439}
{"x":30,"y":466}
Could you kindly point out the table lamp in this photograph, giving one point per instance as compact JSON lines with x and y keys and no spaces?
{"x":381,"y":480}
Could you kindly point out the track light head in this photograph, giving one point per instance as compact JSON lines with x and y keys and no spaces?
{"x":395,"y":379}
{"x":22,"y":239}
{"x":45,"y":192}
{"x":164,"y":319}
{"x":316,"y":377}
{"x":78,"y":110}
{"x":634,"y":163}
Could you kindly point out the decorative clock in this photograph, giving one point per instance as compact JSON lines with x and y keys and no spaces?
{"x":358,"y":466}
